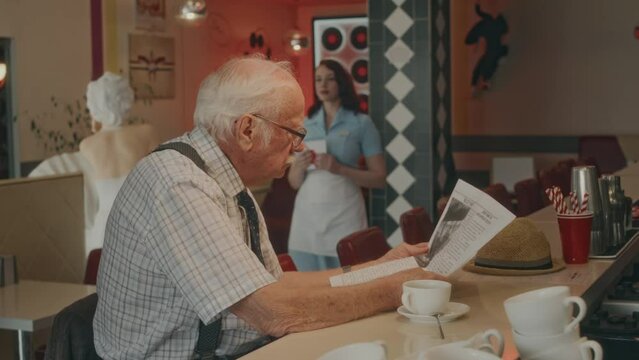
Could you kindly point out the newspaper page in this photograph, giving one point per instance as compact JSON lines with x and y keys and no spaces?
{"x":471,"y":218}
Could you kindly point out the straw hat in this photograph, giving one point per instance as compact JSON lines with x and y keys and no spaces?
{"x":519,"y":249}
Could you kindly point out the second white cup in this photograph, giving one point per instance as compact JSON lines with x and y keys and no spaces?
{"x":529,"y":346}
{"x":425,"y":297}
{"x":583,"y":349}
{"x":546,"y":311}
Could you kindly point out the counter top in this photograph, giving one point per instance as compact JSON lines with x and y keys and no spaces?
{"x":484,"y":294}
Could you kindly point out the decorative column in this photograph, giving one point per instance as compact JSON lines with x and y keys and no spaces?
{"x":410,"y":104}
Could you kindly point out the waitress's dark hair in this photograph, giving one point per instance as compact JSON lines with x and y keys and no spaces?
{"x":346,"y":89}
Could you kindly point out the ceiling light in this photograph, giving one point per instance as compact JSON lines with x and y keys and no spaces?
{"x":192,"y":12}
{"x":295,"y":42}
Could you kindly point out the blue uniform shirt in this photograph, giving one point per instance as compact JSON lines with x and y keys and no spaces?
{"x":350,"y":135}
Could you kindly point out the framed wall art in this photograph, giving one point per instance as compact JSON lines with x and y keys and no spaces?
{"x":345,"y":39}
{"x":152,"y":66}
{"x":150,"y":14}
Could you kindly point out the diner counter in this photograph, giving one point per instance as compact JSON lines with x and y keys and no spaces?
{"x":484,"y":294}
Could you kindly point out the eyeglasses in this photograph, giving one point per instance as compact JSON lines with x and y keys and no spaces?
{"x":299,"y":135}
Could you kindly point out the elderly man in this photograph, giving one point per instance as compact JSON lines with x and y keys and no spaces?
{"x":187,"y":269}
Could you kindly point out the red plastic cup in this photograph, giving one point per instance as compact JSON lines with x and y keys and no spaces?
{"x":575,"y":236}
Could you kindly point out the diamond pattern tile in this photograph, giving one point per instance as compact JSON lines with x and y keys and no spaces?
{"x":441,"y":146}
{"x":440,"y":22}
{"x":441,"y":53}
{"x":441,"y":117}
{"x":399,"y":2}
{"x":398,"y":22}
{"x":399,"y":148}
{"x":441,"y":85}
{"x":400,"y":117}
{"x":398,"y":207}
{"x":400,"y":179}
{"x":396,"y":238}
{"x":441,"y":176}
{"x":399,"y":54}
{"x":391,"y":195}
{"x":399,"y":85}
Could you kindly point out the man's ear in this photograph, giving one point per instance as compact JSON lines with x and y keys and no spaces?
{"x":245,"y":132}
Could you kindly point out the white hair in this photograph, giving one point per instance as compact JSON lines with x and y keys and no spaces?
{"x":240,"y":86}
{"x":109,"y":98}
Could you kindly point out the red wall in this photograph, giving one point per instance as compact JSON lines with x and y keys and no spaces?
{"x":226,"y":34}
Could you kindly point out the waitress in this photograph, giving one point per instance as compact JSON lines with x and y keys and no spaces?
{"x":329,"y":204}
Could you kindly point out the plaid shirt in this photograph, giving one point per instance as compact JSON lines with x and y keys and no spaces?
{"x":176,"y":252}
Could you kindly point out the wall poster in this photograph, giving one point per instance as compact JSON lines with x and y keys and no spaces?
{"x":152,"y":66}
{"x":345,"y":39}
{"x":150,"y":14}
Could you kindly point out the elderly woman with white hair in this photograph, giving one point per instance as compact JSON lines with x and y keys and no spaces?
{"x":113,"y":149}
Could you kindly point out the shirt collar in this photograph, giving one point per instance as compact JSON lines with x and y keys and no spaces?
{"x":218,"y":165}
{"x":338,"y":117}
{"x":320,"y":117}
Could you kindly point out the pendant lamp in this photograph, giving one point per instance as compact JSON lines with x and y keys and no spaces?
{"x":192,"y":12}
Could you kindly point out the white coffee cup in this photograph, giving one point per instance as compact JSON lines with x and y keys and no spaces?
{"x":528,"y":346}
{"x":544,"y":311}
{"x":482,"y":341}
{"x":457,"y":353}
{"x":359,"y":351}
{"x":583,"y":349}
{"x":425,"y":297}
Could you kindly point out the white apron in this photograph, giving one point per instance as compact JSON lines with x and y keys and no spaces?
{"x":328,"y":207}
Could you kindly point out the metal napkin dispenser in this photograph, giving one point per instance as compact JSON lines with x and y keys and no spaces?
{"x":8,"y":270}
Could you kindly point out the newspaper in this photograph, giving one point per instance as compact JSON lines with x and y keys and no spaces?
{"x":471,"y":218}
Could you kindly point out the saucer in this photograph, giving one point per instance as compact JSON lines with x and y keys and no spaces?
{"x":452,"y":311}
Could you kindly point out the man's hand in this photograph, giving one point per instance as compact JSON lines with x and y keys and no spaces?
{"x":404,"y":250}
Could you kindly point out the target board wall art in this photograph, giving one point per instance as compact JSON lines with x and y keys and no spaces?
{"x":345,"y":39}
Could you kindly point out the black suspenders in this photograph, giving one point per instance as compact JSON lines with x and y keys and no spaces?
{"x":209,"y":335}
